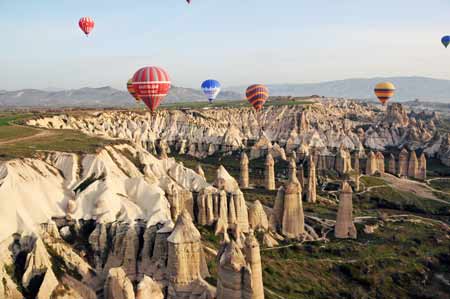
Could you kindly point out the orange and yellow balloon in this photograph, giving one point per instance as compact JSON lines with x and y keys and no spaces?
{"x":384,"y":91}
{"x":257,"y":95}
{"x":131,"y":90}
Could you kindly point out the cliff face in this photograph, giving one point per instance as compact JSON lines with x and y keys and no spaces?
{"x":126,"y":212}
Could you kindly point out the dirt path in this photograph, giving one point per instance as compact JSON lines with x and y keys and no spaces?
{"x":41,"y":134}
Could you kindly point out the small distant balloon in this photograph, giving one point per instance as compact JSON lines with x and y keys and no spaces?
{"x":384,"y":91}
{"x":446,"y":40}
{"x":131,"y":90}
{"x":86,"y":25}
{"x":151,"y":84}
{"x":257,"y":95}
{"x":211,"y":88}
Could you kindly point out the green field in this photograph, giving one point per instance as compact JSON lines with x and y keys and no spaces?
{"x":45,"y":140}
{"x":398,"y":261}
{"x":9,"y":130}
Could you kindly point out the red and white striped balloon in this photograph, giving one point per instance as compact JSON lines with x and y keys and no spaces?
{"x":151,"y":84}
{"x":86,"y":24}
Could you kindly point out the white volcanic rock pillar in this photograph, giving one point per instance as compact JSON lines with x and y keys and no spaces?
{"x":311,"y":192}
{"x":422,"y":171}
{"x":244,"y":179}
{"x":257,"y":217}
{"x":118,"y":286}
{"x":380,"y":162}
{"x":392,"y":169}
{"x":148,"y":289}
{"x":186,"y":260}
{"x":371,"y":164}
{"x":253,"y":259}
{"x":231,"y":272}
{"x":413,"y":166}
{"x":269,"y":174}
{"x":293,"y":223}
{"x":344,"y":227}
{"x":357,"y":173}
{"x":403,"y":163}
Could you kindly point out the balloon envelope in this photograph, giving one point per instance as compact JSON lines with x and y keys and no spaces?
{"x":257,"y":95}
{"x":211,"y":88}
{"x":384,"y":91}
{"x":446,"y":40}
{"x":86,"y":25}
{"x":151,"y":84}
{"x":131,"y":90}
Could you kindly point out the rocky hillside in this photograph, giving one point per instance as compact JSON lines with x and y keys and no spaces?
{"x":321,"y":128}
{"x":95,"y":97}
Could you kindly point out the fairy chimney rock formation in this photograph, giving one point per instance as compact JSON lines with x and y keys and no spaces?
{"x":357,"y":172}
{"x":230,"y":282}
{"x":343,"y":160}
{"x":292,"y":168}
{"x":392,"y":169}
{"x":293,"y":223}
{"x":403,"y":163}
{"x":380,"y":162}
{"x":413,"y":165}
{"x":185,"y":260}
{"x":244,"y":179}
{"x":345,"y":227}
{"x":277,"y":213}
{"x":422,"y":171}
{"x":239,"y":276}
{"x":311,"y":192}
{"x":118,"y":285}
{"x":253,"y":259}
{"x":301,"y":175}
{"x":371,"y":164}
{"x":269,"y":174}
{"x":148,"y":289}
{"x":257,"y":217}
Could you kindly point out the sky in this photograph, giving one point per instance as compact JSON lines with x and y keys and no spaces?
{"x":238,"y":42}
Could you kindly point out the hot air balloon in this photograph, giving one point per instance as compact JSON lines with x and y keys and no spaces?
{"x":131,"y":90}
{"x":384,"y":91}
{"x":188,"y":1}
{"x":86,"y":24}
{"x":257,"y":95}
{"x":446,"y":41}
{"x":151,"y":85}
{"x":211,"y":88}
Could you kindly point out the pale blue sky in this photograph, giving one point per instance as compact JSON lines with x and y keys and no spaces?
{"x":235,"y":41}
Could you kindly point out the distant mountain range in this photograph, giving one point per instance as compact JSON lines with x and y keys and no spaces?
{"x":95,"y":97}
{"x":408,"y":88}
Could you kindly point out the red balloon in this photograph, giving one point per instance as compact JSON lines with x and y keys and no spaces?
{"x":151,"y":84}
{"x":86,"y":24}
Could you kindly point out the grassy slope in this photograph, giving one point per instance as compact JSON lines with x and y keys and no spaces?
{"x":8,"y":131}
{"x":58,"y":140}
{"x":392,"y":263}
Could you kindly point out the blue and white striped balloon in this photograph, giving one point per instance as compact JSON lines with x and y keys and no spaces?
{"x":211,"y":88}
